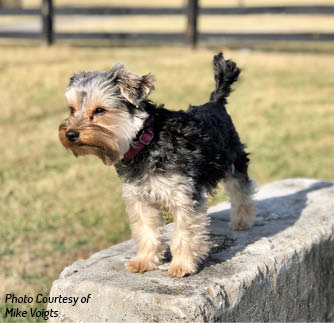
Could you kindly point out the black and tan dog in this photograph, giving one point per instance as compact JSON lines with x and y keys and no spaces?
{"x":165,"y":158}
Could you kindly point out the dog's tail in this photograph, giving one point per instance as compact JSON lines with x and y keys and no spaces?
{"x":226,"y":73}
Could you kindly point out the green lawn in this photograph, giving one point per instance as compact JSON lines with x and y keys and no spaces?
{"x":56,"y":209}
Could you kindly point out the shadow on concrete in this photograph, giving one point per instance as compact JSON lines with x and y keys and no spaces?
{"x":274,"y":215}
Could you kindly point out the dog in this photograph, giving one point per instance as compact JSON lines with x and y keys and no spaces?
{"x":165,"y":158}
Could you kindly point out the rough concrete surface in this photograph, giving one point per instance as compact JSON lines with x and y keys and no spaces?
{"x":280,"y":270}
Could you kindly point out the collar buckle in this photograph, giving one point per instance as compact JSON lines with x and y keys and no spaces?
{"x":146,"y":137}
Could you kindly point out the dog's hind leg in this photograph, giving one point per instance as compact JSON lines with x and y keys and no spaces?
{"x":240,"y":190}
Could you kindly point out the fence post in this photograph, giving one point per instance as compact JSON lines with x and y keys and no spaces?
{"x":191,"y":30}
{"x":47,"y":22}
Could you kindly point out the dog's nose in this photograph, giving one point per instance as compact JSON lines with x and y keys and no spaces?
{"x":72,"y":135}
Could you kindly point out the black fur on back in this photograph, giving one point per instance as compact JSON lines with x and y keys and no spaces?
{"x":200,"y":143}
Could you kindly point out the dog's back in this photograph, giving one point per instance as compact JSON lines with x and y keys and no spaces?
{"x":226,"y":147}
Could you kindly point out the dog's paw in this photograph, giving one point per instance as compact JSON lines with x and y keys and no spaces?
{"x":244,"y":217}
{"x":140,"y":265}
{"x":239,"y":226}
{"x":179,"y":270}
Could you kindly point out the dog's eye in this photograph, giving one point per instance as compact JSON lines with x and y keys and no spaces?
{"x":72,"y":110}
{"x":99,"y":111}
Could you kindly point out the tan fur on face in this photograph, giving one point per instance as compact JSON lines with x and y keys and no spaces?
{"x":123,"y":126}
{"x":107,"y":136}
{"x":243,"y":210}
{"x":93,"y":139}
{"x":190,"y":243}
{"x":94,"y":94}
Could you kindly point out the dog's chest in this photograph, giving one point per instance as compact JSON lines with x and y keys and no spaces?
{"x":167,"y":190}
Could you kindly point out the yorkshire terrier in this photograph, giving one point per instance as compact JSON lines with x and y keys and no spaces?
{"x":165,"y":158}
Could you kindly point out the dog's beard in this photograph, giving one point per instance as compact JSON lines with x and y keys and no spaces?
{"x":93,"y":140}
{"x":107,"y":155}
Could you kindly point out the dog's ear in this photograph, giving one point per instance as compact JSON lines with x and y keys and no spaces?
{"x":133,"y":87}
{"x":136,"y":88}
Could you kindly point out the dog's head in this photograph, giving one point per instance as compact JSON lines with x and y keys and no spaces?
{"x":105,"y":113}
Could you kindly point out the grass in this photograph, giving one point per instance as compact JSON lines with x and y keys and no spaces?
{"x":56,"y":209}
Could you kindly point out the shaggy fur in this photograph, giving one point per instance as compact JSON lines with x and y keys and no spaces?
{"x":190,"y":153}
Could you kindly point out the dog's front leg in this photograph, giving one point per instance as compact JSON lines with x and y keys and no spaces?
{"x":145,"y":220}
{"x":190,"y":240}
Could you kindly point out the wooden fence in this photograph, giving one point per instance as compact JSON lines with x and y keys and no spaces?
{"x":191,"y":35}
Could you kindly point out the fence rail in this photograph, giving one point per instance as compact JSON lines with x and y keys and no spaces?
{"x":137,"y":11}
{"x":177,"y":37}
{"x":191,"y":34}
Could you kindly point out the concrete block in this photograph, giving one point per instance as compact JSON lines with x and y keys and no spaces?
{"x":280,"y":270}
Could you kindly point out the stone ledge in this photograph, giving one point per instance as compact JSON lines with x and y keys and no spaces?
{"x":280,"y":270}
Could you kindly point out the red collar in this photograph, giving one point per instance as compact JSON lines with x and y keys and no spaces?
{"x":144,"y":139}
